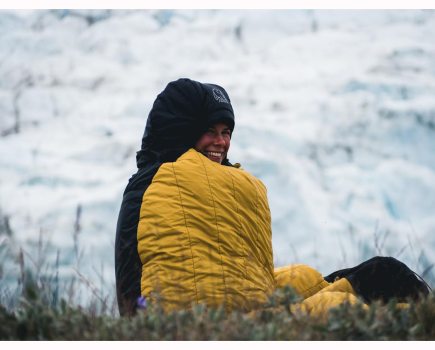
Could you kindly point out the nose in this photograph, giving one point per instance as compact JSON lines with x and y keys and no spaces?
{"x":219,"y":140}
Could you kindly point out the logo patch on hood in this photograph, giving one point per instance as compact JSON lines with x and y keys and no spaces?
{"x":219,"y":96}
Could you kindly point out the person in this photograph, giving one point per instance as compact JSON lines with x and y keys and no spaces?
{"x":195,"y":229}
{"x":189,"y":115}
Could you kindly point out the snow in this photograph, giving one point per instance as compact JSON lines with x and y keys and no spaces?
{"x":335,"y":113}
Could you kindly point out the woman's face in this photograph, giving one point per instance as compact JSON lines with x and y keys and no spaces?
{"x":215,"y":142}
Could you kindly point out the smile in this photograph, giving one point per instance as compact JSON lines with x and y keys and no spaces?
{"x":214,"y":154}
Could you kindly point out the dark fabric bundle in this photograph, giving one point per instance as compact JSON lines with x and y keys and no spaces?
{"x":383,"y":278}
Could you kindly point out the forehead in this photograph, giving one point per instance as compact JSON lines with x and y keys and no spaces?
{"x":219,"y":126}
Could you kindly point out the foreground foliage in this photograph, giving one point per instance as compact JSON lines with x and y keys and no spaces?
{"x":35,"y":318}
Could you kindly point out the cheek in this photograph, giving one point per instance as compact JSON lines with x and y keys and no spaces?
{"x":228,"y":142}
{"x":202,"y":143}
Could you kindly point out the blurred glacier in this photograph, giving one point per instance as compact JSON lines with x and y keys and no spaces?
{"x":335,"y":113}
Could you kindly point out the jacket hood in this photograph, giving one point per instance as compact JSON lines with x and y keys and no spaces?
{"x":179,"y":116}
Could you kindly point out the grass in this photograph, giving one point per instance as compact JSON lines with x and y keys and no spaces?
{"x":39,"y":309}
{"x":40,"y":314}
{"x":35,"y":319}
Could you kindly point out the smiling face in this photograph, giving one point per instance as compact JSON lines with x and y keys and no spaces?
{"x":215,"y":142}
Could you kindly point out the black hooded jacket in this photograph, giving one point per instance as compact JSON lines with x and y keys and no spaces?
{"x":179,"y":116}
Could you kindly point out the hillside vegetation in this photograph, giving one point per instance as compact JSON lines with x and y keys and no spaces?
{"x":40,"y":315}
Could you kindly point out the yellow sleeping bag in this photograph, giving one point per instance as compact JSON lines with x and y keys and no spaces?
{"x":318,"y":295}
{"x":204,"y":236}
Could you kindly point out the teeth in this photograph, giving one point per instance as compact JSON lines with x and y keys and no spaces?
{"x":215,"y":154}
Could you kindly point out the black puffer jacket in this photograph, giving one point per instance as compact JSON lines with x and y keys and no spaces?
{"x":180,"y":114}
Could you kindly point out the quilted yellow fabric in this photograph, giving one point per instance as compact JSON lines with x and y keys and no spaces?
{"x":204,"y":236}
{"x":305,"y":280}
{"x":333,"y":295}
{"x":318,"y":295}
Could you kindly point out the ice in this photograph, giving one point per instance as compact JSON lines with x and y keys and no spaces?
{"x":335,"y":113}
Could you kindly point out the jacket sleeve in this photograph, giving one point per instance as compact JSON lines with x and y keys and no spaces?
{"x":127,"y":262}
{"x":128,"y":267}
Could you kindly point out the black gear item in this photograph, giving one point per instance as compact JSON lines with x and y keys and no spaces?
{"x":383,"y":278}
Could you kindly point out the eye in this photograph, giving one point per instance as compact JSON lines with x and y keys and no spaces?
{"x":226,"y":132}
